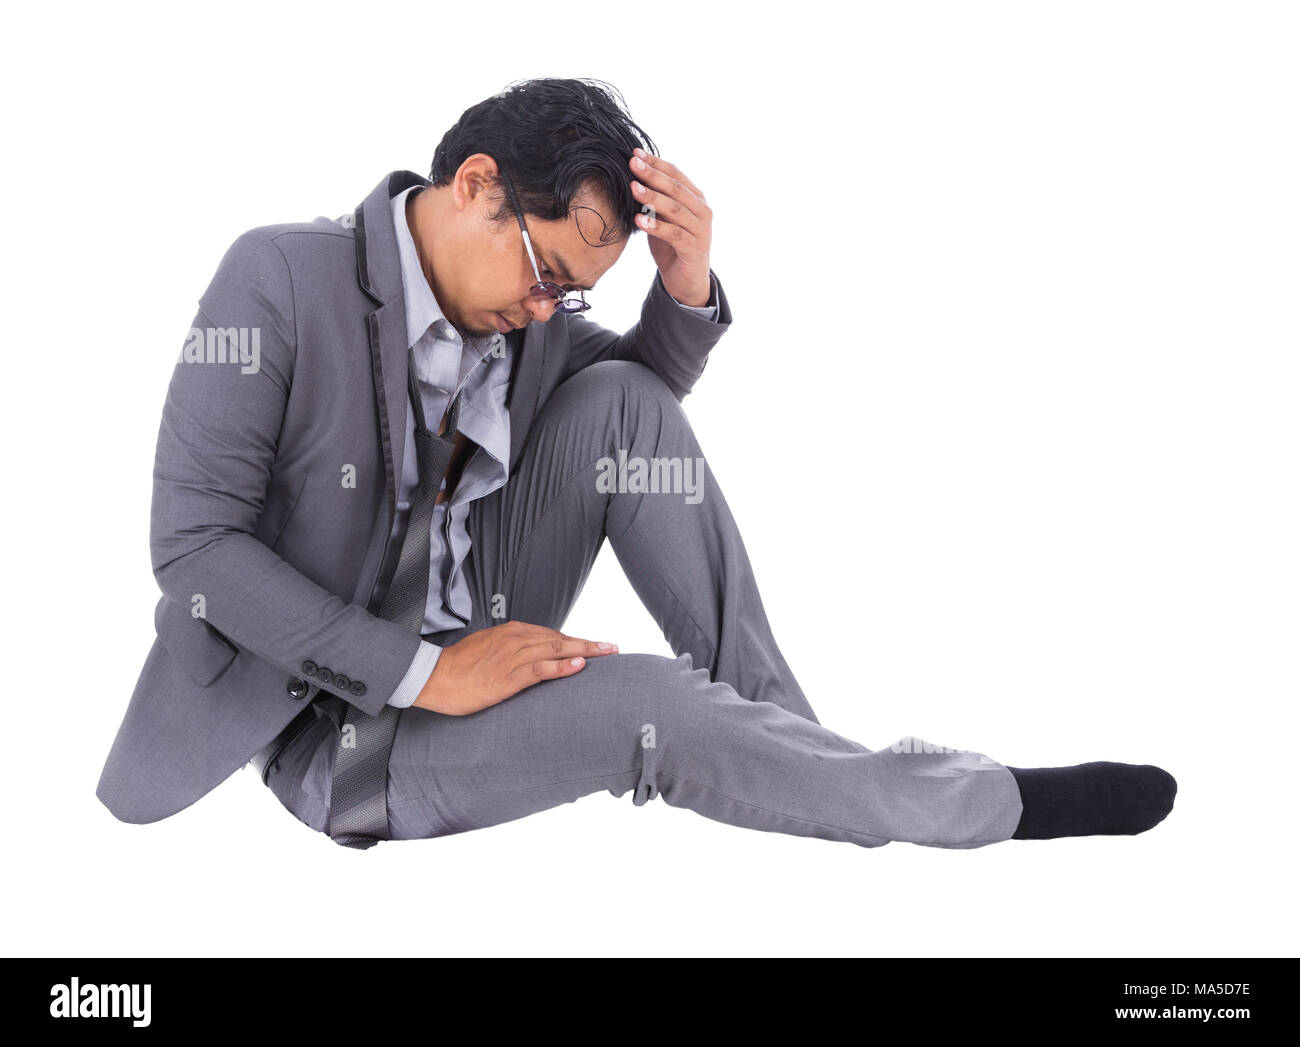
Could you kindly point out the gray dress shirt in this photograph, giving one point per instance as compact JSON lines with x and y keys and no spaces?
{"x":480,"y":368}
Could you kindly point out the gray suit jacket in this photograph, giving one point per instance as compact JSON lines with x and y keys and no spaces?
{"x":252,"y":520}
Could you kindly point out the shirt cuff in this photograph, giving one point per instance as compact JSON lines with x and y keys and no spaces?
{"x":711,"y":309}
{"x":422,"y":666}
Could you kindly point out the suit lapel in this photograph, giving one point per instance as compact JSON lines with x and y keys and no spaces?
{"x":380,"y":276}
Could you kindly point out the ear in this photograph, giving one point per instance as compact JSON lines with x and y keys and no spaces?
{"x":477,"y":184}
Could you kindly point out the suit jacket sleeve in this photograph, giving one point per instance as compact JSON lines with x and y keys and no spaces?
{"x":217,"y":445}
{"x":672,"y":340}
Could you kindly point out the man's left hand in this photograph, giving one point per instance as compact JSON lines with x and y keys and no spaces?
{"x":680,"y":230}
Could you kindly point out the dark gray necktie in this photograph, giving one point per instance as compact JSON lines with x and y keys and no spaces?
{"x":359,"y":797}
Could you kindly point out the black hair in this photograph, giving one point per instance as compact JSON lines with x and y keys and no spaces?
{"x":551,"y":137}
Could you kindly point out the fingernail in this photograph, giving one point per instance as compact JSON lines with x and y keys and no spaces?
{"x":638,"y":163}
{"x":575,"y":661}
{"x":604,"y":646}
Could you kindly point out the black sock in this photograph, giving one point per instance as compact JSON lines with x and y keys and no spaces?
{"x":1092,"y":799}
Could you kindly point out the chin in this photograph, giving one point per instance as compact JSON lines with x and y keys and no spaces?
{"x":470,"y":330}
{"x":480,"y":331}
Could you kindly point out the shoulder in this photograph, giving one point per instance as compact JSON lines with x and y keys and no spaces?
{"x":296,"y":240}
{"x":276,"y":258}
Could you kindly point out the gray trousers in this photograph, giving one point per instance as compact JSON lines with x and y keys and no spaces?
{"x":722,"y":729}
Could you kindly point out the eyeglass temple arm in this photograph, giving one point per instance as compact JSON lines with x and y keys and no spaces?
{"x":528,"y":243}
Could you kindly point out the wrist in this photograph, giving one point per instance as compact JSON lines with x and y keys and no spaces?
{"x":698,"y":301}
{"x":695,"y":297}
{"x":429,"y":695}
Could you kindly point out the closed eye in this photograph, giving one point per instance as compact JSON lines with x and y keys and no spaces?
{"x":569,"y":286}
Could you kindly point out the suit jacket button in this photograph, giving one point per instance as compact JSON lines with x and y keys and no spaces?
{"x":342,"y":682}
{"x":309,"y":668}
{"x":324,"y":675}
{"x":358,"y":688}
{"x":298,"y":689}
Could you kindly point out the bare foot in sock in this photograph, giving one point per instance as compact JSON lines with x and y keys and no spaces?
{"x":1092,"y":799}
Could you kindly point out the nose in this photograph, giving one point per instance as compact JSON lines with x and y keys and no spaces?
{"x":539,"y":308}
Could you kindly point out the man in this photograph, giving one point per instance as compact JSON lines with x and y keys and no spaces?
{"x":372,"y":519}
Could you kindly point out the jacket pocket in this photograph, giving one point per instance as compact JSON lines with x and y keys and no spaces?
{"x":202,"y":650}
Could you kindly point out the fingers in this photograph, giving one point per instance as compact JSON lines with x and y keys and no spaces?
{"x":668,"y":191}
{"x":670,"y":208}
{"x":547,"y":654}
{"x":667,"y":231}
{"x":558,"y":647}
{"x":538,"y":643}
{"x":539,"y":669}
{"x":687,"y":220}
{"x":661,"y":174}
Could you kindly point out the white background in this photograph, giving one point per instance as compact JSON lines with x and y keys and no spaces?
{"x":1014,"y":341}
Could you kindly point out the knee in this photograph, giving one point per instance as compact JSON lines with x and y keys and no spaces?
{"x":617,"y":383}
{"x":651,"y":689}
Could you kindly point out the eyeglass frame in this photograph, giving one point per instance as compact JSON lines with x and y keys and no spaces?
{"x":544,"y":287}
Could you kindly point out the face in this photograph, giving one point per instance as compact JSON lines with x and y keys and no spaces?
{"x":480,"y":271}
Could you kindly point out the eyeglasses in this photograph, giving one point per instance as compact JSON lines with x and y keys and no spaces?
{"x":563,"y":303}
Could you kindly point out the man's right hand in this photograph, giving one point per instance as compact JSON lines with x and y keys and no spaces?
{"x":491,"y":665}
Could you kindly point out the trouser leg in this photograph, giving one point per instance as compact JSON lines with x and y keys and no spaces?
{"x":661,"y":727}
{"x":680,"y":548}
{"x":680,"y":728}
{"x":300,"y":776}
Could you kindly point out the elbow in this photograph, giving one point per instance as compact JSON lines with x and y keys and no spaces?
{"x":180,"y":558}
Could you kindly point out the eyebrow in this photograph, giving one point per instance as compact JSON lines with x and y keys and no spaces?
{"x":565,"y":272}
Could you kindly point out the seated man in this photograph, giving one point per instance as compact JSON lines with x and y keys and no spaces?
{"x":391,"y":450}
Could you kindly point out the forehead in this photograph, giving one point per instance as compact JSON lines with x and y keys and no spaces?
{"x":582,"y":245}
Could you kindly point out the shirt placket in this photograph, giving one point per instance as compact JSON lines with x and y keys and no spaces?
{"x":448,"y":552}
